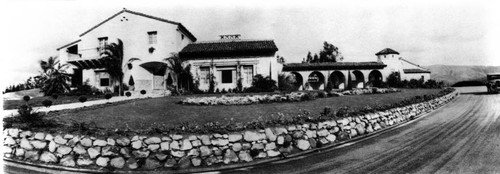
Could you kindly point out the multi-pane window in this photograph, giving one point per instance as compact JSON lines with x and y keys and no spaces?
{"x":227,"y":76}
{"x":152,"y":37}
{"x":103,"y":41}
{"x":204,"y":75}
{"x":103,"y":78}
{"x":247,"y":74}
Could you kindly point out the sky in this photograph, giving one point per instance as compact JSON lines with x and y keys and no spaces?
{"x":424,"y":32}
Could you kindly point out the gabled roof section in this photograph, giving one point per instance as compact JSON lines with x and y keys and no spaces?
{"x":64,"y":46}
{"x":386,"y":51}
{"x":415,"y":71}
{"x":228,"y":48}
{"x":333,"y":66}
{"x":180,"y":26}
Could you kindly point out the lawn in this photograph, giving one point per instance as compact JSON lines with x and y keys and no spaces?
{"x":143,"y":114}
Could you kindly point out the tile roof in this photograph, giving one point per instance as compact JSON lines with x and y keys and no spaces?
{"x":415,"y":71}
{"x":228,"y":48}
{"x":181,"y":27}
{"x":64,"y":46}
{"x":332,"y":66}
{"x":386,"y":51}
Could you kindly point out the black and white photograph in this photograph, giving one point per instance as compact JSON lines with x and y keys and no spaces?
{"x":291,"y":87}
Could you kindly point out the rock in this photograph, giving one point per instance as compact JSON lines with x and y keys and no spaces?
{"x":303,"y":144}
{"x":286,"y":150}
{"x":280,"y":140}
{"x":49,"y":137}
{"x":261,"y":155}
{"x":193,"y":153}
{"x":254,"y":136}
{"x":68,"y":136}
{"x":87,"y":142}
{"x":176,"y":137}
{"x":48,"y":157}
{"x":353,"y":133}
{"x":52,"y":146}
{"x":9,"y":141}
{"x":84,"y":161}
{"x":323,"y":133}
{"x":60,"y":140}
{"x":64,"y":150}
{"x":161,"y":156}
{"x":68,"y":161}
{"x":220,"y":142}
{"x":298,"y":134}
{"x":331,"y":138}
{"x":25,"y":144}
{"x":123,"y":141}
{"x":246,"y":146}
{"x":125,"y":152}
{"x":79,"y":149}
{"x":217,"y":151}
{"x":132,"y":163}
{"x":280,"y":130}
{"x":270,"y":146}
{"x":273,"y":153}
{"x":205,"y":139}
{"x":334,"y":129}
{"x":165,"y":146}
{"x":244,"y":156}
{"x":154,"y":147}
{"x":237,"y":147}
{"x":102,"y":161}
{"x":311,"y":134}
{"x":210,"y":160}
{"x":205,"y":151}
{"x":166,"y":138}
{"x":40,"y":136}
{"x":291,"y":128}
{"x":184,"y":163}
{"x":137,"y":144}
{"x":13,"y":132}
{"x":313,"y":142}
{"x":19,"y":152}
{"x":186,"y":145}
{"x":135,"y":138}
{"x":140,"y":153}
{"x":177,"y":153}
{"x":230,"y":156}
{"x":258,"y":146}
{"x":288,"y":140}
{"x":117,"y":162}
{"x":235,"y":137}
{"x":192,"y":137}
{"x":196,"y":162}
{"x":39,"y":144}
{"x":152,"y":140}
{"x":111,"y":142}
{"x":196,"y":143}
{"x":175,"y":145}
{"x":26,"y":134}
{"x":377,"y":126}
{"x":100,"y":143}
{"x":109,"y":151}
{"x":369,"y":129}
{"x":170,"y":162}
{"x":217,"y":136}
{"x":31,"y":155}
{"x":94,"y":152}
{"x":360,"y":129}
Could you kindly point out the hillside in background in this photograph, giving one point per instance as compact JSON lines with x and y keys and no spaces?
{"x":452,"y":74}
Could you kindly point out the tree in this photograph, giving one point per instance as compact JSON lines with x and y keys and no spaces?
{"x":316,"y":58}
{"x":55,"y":78}
{"x":112,"y":56}
{"x":182,"y":73}
{"x":394,"y":80}
{"x":309,"y":57}
{"x":330,"y":53}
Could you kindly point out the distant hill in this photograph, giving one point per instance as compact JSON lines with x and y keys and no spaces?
{"x":452,"y":74}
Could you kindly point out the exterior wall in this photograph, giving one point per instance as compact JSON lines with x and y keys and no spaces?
{"x":416,"y":76}
{"x":261,"y":65}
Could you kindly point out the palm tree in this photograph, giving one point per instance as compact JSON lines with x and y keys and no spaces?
{"x":54,"y":76}
{"x":182,"y":74}
{"x":112,"y":56}
{"x":49,"y":64}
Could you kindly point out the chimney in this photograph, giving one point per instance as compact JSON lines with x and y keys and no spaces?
{"x":230,"y":37}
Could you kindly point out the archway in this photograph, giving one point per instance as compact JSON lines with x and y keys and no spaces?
{"x":358,"y":79}
{"x":315,"y":80}
{"x":295,"y":80}
{"x":337,"y":79}
{"x":375,"y":78}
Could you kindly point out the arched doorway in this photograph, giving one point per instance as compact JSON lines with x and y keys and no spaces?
{"x":358,"y":79}
{"x":375,"y":78}
{"x":337,"y":79}
{"x":295,"y":79}
{"x":316,"y":80}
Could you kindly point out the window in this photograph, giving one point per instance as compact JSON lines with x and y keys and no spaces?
{"x":247,"y":74}
{"x":103,"y":41}
{"x":227,"y":76}
{"x":204,"y":75}
{"x":182,"y":37}
{"x":103,"y":78}
{"x":152,"y":37}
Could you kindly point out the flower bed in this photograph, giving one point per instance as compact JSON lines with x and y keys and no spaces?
{"x":176,"y":151}
{"x":290,"y":97}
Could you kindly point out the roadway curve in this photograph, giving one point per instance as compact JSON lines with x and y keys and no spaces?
{"x":461,"y":137}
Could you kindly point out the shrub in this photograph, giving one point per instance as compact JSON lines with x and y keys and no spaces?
{"x":261,"y":84}
{"x":223,"y":91}
{"x":128,"y":94}
{"x":143,"y":92}
{"x":343,"y":111}
{"x":55,"y":96}
{"x":329,"y":87}
{"x":217,"y":91}
{"x":321,"y":94}
{"x":26,"y":98}
{"x":108,"y":96}
{"x":82,"y":99}
{"x":47,"y":103}
{"x":27,"y":114}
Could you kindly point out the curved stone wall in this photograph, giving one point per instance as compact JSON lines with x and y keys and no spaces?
{"x":196,"y":151}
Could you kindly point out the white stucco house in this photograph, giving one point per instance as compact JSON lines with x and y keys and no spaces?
{"x":147,"y":40}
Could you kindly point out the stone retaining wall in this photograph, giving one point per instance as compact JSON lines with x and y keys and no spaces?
{"x":191,"y":151}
